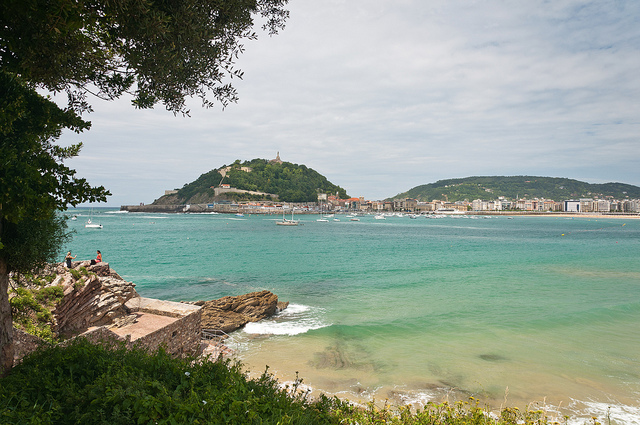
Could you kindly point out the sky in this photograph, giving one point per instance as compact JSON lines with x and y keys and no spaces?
{"x":381,"y":96}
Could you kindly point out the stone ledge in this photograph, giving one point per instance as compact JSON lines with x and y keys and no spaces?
{"x":161,"y":307}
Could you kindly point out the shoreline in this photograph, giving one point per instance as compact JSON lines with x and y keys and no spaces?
{"x":576,"y":411}
{"x":568,"y":409}
{"x":236,"y":209}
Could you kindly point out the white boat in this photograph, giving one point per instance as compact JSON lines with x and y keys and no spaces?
{"x":239,"y":215}
{"x":91,"y":225}
{"x":286,"y":222}
{"x":380,"y":217}
{"x":354,"y":219}
{"x":449,"y":211}
{"x":323,"y":218}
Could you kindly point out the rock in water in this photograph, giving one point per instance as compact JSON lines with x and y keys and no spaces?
{"x":230,"y":313}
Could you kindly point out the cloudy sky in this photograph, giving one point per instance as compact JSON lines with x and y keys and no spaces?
{"x":381,"y":96}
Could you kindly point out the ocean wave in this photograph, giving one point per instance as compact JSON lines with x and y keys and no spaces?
{"x":117,"y":212}
{"x":155,"y":217}
{"x":294,"y":320}
{"x":604,"y":413}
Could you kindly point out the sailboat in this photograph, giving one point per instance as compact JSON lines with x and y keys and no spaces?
{"x":91,"y":225}
{"x":286,"y":222}
{"x":322,"y":216}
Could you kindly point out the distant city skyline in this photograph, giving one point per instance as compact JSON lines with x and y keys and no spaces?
{"x":381,"y":97}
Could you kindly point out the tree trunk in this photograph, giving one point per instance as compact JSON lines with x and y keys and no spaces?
{"x":6,"y":323}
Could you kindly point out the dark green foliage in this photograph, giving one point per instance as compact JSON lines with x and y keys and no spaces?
{"x":33,"y":243}
{"x":88,"y":384}
{"x":513,"y":187}
{"x":291,"y":182}
{"x":31,"y":310}
{"x":202,"y":184}
{"x":162,"y":51}
{"x":33,"y":177}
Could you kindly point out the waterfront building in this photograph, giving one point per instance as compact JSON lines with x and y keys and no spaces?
{"x":571,"y":206}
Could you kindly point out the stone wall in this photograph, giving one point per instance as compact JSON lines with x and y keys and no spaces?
{"x":24,"y":344}
{"x":180,"y":338}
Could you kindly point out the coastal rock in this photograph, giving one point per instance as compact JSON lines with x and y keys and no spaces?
{"x":97,"y":298}
{"x":230,"y":313}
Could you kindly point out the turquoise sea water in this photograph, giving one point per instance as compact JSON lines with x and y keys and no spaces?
{"x":510,"y":311}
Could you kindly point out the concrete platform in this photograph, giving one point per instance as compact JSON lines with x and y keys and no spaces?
{"x":146,"y":323}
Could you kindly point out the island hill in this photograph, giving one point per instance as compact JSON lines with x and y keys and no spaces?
{"x":258,"y":181}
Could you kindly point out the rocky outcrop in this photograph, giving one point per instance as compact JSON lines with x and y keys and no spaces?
{"x":96,"y":298}
{"x":230,"y":313}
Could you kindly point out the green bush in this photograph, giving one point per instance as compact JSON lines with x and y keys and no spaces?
{"x":31,"y":311}
{"x":88,"y":384}
{"x":49,"y":295}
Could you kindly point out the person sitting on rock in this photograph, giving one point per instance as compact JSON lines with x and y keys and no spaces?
{"x":98,"y":258}
{"x":68,"y":259}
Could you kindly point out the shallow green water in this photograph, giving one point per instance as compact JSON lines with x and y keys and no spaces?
{"x":411,"y":309}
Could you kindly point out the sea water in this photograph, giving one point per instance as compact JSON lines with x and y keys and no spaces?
{"x":511,"y":311}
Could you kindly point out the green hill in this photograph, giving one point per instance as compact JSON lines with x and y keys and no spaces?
{"x":513,"y":187}
{"x":291,"y":182}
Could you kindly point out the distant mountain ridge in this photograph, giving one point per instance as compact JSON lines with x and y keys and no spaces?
{"x":513,"y":187}
{"x":290,"y":182}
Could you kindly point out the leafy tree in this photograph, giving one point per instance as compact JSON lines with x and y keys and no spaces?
{"x":34,"y":184}
{"x":157,"y":50}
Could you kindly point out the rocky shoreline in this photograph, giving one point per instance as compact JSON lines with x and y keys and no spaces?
{"x":96,"y":297}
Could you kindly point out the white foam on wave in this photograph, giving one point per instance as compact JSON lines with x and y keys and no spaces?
{"x":605,"y":413}
{"x":294,"y":320}
{"x":117,"y":212}
{"x":417,"y":398}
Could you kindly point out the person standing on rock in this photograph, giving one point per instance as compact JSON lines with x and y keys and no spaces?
{"x":68,"y":259}
{"x":98,"y":258}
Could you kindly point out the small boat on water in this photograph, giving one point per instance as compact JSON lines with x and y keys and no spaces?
{"x":91,"y":225}
{"x":287,"y":222}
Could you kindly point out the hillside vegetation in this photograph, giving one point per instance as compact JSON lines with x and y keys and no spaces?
{"x":513,"y":187}
{"x":291,"y":182}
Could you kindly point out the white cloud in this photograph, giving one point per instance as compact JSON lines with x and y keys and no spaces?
{"x":381,"y":96}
